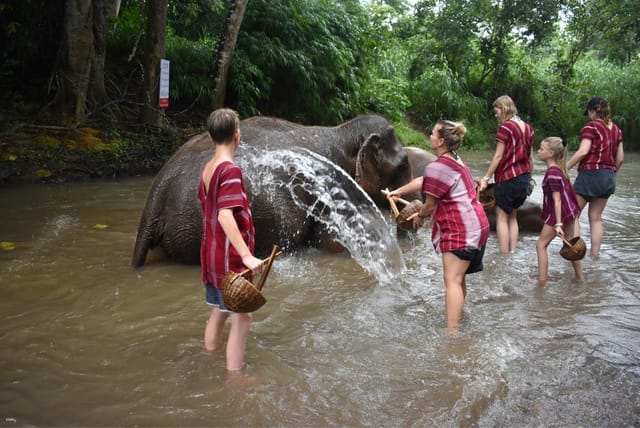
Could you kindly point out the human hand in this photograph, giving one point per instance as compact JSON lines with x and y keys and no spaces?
{"x":418,"y":221}
{"x":392,"y":195}
{"x":255,"y":264}
{"x":559,"y":231}
{"x":482,"y":183}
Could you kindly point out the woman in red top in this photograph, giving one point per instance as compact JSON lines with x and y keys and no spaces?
{"x":227,"y":235}
{"x":512,"y":164}
{"x":599,"y":158}
{"x":460,"y":229}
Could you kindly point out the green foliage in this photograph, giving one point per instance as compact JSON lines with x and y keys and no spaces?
{"x":324,"y":61}
{"x":196,"y":19}
{"x":619,"y":84}
{"x":408,"y":135}
{"x":303,"y":60}
{"x":191,"y":64}
{"x":387,"y":88}
{"x":438,"y":94}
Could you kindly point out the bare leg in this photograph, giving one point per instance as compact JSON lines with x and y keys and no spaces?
{"x":581,"y":203}
{"x":546,"y":236}
{"x":570,"y":232}
{"x":596,"y":207}
{"x":214,"y":329}
{"x":238,"y":334}
{"x":502,"y":230}
{"x":454,"y":272}
{"x":464,"y":286}
{"x":514,"y":230}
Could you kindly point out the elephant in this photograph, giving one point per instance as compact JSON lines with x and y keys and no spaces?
{"x":419,"y":159}
{"x":529,"y":219}
{"x":366,"y":148}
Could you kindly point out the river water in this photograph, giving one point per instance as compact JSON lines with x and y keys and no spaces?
{"x":87,"y":340}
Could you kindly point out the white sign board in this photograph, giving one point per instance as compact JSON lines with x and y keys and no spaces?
{"x":164,"y":83}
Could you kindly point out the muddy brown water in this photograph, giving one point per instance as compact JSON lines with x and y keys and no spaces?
{"x":88,"y":340}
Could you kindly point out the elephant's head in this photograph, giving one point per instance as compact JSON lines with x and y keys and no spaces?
{"x":382,"y":163}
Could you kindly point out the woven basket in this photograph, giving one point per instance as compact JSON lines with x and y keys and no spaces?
{"x":487,"y":201}
{"x":409,"y":209}
{"x":407,"y":212}
{"x":574,"y":249}
{"x":239,"y":294}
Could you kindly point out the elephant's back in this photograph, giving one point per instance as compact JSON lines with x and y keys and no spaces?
{"x":419,"y":159}
{"x":264,"y":131}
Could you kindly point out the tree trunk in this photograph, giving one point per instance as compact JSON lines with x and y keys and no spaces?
{"x":81,"y":60}
{"x":224,"y":49}
{"x":97,"y":92}
{"x":155,"y":45}
{"x":75,"y":59}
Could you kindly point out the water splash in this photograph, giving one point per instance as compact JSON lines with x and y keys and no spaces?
{"x":333,"y":198}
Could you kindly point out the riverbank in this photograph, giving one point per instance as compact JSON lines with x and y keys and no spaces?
{"x":53,"y":154}
{"x":43,"y":153}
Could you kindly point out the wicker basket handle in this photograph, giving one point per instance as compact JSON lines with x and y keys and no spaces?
{"x":269,"y":261}
{"x":565,"y":241}
{"x":404,"y":201}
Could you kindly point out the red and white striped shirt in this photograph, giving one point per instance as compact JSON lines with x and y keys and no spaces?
{"x":604,"y":146}
{"x":517,"y":150}
{"x":459,"y":219}
{"x":217,"y":255}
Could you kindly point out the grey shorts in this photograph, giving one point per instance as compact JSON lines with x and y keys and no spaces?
{"x":595,"y":184}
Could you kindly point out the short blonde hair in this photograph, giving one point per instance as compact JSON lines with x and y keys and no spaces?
{"x":222,"y":124}
{"x":508,"y":107}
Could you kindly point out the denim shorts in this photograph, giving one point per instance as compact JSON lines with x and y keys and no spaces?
{"x":474,"y":255}
{"x":511,"y":194}
{"x":214,"y":297}
{"x":595,"y":184}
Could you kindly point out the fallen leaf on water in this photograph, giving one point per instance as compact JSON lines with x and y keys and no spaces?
{"x":7,"y":246}
{"x":100,"y":226}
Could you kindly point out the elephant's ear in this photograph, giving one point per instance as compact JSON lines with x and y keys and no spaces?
{"x":368,"y":155}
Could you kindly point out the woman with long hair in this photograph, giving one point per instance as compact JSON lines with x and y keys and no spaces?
{"x":511,"y":166}
{"x":599,"y":158}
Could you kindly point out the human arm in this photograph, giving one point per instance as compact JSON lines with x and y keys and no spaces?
{"x":495,"y":161}
{"x":583,"y":150}
{"x":619,"y":156}
{"x":557,"y":208}
{"x":230,"y":228}
{"x":531,"y":160}
{"x":413,"y":186}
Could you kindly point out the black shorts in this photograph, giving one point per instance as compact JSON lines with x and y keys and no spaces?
{"x":595,"y":184}
{"x":474,"y":255}
{"x":511,"y":194}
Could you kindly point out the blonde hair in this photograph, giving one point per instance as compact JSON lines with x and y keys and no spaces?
{"x":508,"y":107}
{"x":559,"y":149}
{"x":222,"y":124}
{"x":452,"y":133}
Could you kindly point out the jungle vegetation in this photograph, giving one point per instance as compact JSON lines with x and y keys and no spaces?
{"x":80,"y":82}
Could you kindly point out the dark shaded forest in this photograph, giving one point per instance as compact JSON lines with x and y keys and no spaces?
{"x":80,"y":82}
